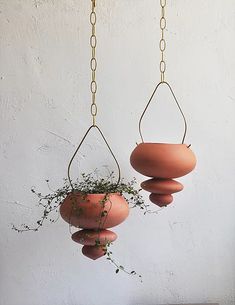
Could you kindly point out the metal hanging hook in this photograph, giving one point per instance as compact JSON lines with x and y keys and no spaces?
{"x":177,"y":103}
{"x":79,"y":146}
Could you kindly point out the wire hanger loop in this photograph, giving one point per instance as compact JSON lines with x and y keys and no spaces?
{"x":79,"y":146}
{"x":177,"y":103}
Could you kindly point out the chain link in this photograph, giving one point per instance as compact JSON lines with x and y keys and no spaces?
{"x":93,"y":63}
{"x":162,"y":42}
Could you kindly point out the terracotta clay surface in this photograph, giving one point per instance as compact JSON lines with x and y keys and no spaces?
{"x":90,"y":237}
{"x":162,"y":186}
{"x":163,"y":160}
{"x":90,"y":213}
{"x":93,"y":252}
{"x":161,"y":200}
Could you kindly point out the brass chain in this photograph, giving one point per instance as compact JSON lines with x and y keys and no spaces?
{"x":162,"y":42}
{"x":93,"y":63}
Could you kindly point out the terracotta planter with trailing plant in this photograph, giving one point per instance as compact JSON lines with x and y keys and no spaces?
{"x":94,"y":211}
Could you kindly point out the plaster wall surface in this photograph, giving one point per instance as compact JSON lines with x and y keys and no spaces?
{"x":185,"y":253}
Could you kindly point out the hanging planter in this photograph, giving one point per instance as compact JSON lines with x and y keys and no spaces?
{"x":91,"y":204}
{"x":162,"y":161}
{"x":98,"y":203}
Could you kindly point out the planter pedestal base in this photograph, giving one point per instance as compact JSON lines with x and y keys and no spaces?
{"x":94,"y":241}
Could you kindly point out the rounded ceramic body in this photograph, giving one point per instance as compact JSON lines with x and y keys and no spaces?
{"x":93,"y":252}
{"x":90,"y":237}
{"x":162,"y":160}
{"x":161,"y":200}
{"x":94,"y":211}
{"x":162,"y":186}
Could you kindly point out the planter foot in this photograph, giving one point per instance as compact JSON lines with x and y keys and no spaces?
{"x":93,"y":252}
{"x":161,"y":200}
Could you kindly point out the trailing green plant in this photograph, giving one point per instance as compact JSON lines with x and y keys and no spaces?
{"x":119,"y":267}
{"x":88,"y":184}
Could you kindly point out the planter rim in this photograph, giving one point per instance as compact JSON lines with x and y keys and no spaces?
{"x":156,"y":143}
{"x":93,"y":194}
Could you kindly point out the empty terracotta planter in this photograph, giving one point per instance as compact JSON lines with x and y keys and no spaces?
{"x":93,"y":252}
{"x":91,"y":237}
{"x":94,"y":211}
{"x":162,"y":186}
{"x":163,"y":160}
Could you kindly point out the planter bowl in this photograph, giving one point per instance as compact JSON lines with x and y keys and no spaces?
{"x":163,"y":160}
{"x":94,"y":211}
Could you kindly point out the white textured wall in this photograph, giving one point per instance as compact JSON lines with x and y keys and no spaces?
{"x":187,"y":252}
